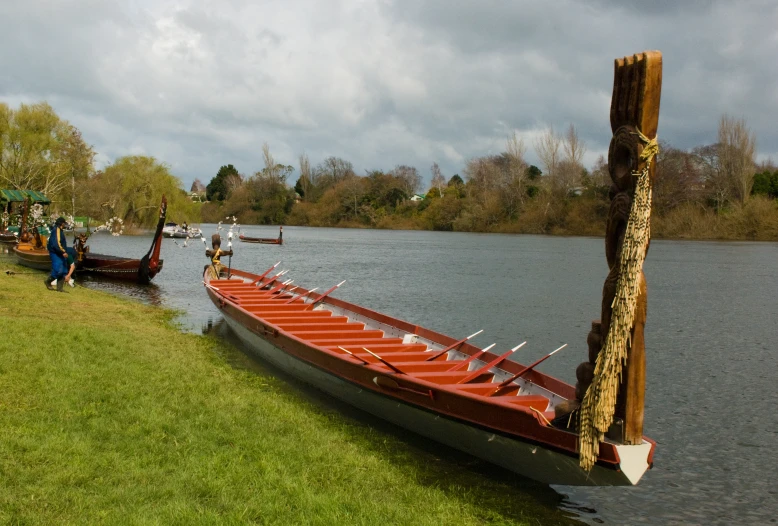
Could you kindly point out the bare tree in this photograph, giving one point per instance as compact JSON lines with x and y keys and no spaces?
{"x":197,"y":186}
{"x":232,"y":182}
{"x":438,"y":181}
{"x":410,"y":177}
{"x":515,"y":148}
{"x":547,"y":150}
{"x":677,"y":180}
{"x":353,"y":188}
{"x":271,"y":169}
{"x":737,"y":150}
{"x":717,"y":186}
{"x":600,"y":177}
{"x":332,"y":170}
{"x":570,"y":169}
{"x":573,"y":146}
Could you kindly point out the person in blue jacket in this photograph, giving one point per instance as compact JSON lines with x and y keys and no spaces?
{"x":58,"y":253}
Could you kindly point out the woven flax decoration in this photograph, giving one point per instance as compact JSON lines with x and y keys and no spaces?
{"x":599,"y":403}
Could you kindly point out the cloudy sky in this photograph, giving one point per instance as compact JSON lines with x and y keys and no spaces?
{"x":198,"y":84}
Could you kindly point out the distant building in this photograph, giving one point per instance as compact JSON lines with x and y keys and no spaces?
{"x":417,"y":197}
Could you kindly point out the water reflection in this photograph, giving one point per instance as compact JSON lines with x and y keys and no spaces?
{"x":150,"y":294}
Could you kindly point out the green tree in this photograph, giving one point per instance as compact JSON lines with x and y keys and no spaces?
{"x":40,"y":151}
{"x":132,"y":188}
{"x":300,"y":186}
{"x":766,"y":183}
{"x":220,"y":186}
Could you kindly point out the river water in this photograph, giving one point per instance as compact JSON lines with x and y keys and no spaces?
{"x":710,"y":338}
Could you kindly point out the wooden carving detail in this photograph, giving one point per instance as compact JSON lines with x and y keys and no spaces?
{"x":634,"y":119}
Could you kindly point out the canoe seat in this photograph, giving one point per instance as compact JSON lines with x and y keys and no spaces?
{"x":340,"y":323}
{"x":534,"y":401}
{"x":345,"y":334}
{"x":417,"y":367}
{"x":452,"y":377}
{"x":389,"y":351}
{"x":359,"y":343}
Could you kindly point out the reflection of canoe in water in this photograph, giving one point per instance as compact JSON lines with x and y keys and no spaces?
{"x":424,"y":381}
{"x":265,"y":240}
{"x":141,"y":270}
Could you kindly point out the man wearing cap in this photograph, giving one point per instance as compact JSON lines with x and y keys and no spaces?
{"x":57,"y":247}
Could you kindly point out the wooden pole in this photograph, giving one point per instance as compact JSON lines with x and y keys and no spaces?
{"x":634,"y":119}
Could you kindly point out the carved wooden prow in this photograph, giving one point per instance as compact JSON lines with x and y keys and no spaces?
{"x":24,"y":235}
{"x":634,"y":118}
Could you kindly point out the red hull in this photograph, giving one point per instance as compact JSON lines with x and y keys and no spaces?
{"x":261,"y":240}
{"x":114,"y":267}
{"x":140,"y":271}
{"x":447,"y":385}
{"x":264,"y":240}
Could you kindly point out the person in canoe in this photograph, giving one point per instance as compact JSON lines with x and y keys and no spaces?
{"x":215,"y":254}
{"x":57,"y":247}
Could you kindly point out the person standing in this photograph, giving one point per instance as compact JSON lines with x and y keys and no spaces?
{"x":58,"y":253}
{"x":216,"y":265}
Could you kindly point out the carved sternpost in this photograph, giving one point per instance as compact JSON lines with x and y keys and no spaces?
{"x":611,"y":384}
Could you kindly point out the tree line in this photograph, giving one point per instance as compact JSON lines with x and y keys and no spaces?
{"x":710,"y":191}
{"x":715,"y":191}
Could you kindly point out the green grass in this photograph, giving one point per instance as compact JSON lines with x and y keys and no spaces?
{"x":110,"y":415}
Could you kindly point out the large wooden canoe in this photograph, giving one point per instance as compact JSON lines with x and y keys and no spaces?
{"x":265,"y":240}
{"x":430,"y":383}
{"x":141,"y":271}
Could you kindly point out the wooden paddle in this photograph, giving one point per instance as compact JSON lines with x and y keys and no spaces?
{"x":455,"y":344}
{"x":505,"y":383}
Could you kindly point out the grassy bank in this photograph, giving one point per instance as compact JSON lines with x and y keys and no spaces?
{"x":109,"y":414}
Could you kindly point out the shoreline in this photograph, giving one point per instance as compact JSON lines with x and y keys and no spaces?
{"x":591,"y":236}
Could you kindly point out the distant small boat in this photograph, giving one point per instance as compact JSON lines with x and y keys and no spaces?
{"x":169,"y":229}
{"x":175,"y":230}
{"x":265,"y":240}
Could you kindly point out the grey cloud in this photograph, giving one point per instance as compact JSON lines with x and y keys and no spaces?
{"x":380,"y":83}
